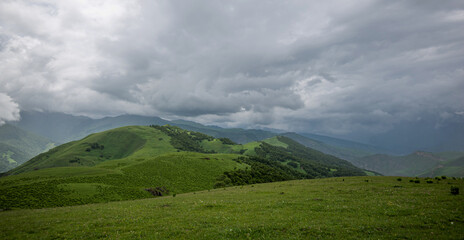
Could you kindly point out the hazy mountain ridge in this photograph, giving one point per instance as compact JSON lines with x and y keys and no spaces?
{"x":341,"y":152}
{"x":63,"y":127}
{"x":17,"y":146}
{"x":419,"y":163}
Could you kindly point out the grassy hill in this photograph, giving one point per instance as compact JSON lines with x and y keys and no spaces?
{"x":17,"y":146}
{"x":416,"y":164}
{"x":125,"y":163}
{"x":331,"y":208}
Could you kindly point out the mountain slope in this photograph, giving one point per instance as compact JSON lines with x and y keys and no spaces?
{"x":453,"y":167}
{"x":17,"y":146}
{"x":348,"y":152}
{"x":346,"y":144}
{"x":93,"y":149}
{"x":279,"y":149}
{"x":129,"y":162}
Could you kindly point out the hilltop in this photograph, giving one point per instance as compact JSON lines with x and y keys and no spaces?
{"x":131,"y":162}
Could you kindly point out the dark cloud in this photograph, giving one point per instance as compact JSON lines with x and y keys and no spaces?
{"x":333,"y":67}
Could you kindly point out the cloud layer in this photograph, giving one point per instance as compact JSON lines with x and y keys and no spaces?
{"x":333,"y":67}
{"x":9,"y":110}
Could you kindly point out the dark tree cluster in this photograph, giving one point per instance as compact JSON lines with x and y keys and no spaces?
{"x":316,"y":164}
{"x":94,"y":146}
{"x":261,"y":171}
{"x":185,"y":140}
{"x":227,"y":141}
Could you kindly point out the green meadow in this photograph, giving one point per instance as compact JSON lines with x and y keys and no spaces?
{"x":330,"y":208}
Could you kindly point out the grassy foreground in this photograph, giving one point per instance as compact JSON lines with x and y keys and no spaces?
{"x":334,"y":208}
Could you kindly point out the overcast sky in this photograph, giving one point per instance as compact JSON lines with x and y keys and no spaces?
{"x":333,"y":67}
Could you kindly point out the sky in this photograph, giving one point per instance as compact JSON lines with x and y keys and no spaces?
{"x":331,"y":67}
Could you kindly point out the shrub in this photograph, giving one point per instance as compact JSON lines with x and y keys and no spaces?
{"x":158,"y":191}
{"x":399,"y":179}
{"x":410,"y":180}
{"x":417,"y":181}
{"x":454,"y":190}
{"x":429,"y":181}
{"x":443,"y":177}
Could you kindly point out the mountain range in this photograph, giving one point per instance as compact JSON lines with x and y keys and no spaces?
{"x":62,"y":128}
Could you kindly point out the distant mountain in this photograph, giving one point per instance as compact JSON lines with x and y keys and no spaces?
{"x":347,"y":144}
{"x":415,"y":164}
{"x":340,"y":148}
{"x":453,"y":167}
{"x":17,"y":146}
{"x":118,"y":164}
{"x":238,"y":135}
{"x":61,"y":127}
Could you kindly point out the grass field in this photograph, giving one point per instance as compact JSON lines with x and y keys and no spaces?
{"x":115,"y":180}
{"x":331,"y":208}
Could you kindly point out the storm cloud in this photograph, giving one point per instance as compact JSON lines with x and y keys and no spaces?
{"x":333,"y":67}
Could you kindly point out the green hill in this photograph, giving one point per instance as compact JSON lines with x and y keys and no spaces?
{"x":331,"y":208}
{"x":17,"y":146}
{"x":416,"y":164}
{"x":137,"y":161}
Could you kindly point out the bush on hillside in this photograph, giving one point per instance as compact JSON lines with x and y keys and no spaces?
{"x":158,"y":191}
